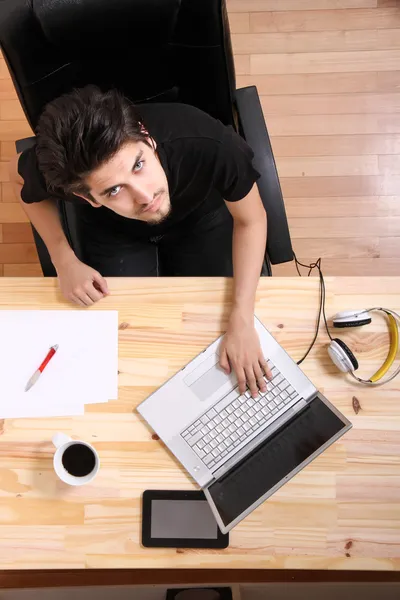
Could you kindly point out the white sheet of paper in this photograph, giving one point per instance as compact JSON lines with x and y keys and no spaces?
{"x":83,"y":370}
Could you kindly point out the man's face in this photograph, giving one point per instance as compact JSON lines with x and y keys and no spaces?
{"x":132,"y":184}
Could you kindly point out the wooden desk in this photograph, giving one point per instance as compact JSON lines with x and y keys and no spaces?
{"x":341,"y":512}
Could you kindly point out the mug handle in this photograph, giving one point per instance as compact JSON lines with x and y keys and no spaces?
{"x":59,"y":439}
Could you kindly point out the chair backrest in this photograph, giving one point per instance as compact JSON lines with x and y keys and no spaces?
{"x":153,"y":50}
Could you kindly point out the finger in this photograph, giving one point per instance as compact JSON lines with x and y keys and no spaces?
{"x":91,"y":291}
{"x":251,"y":381}
{"x":101,"y":282}
{"x":265,"y":367}
{"x":241,"y":377}
{"x":76,"y":300}
{"x":84,"y":298}
{"x":224,"y":362}
{"x":259,"y":377}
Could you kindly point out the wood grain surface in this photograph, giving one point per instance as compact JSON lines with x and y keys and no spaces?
{"x":341,"y":512}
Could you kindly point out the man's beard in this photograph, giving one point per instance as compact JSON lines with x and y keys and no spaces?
{"x":160,"y":218}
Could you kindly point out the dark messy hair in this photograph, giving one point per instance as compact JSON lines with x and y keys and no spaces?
{"x":82,"y":130}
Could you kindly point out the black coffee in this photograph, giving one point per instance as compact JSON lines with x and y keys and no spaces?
{"x":79,"y":460}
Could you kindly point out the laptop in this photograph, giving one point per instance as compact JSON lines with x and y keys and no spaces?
{"x":239,"y":449}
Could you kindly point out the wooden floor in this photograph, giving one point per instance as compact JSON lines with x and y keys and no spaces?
{"x":328,"y":73}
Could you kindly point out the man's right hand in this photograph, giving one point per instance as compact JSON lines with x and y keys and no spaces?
{"x":80,"y":283}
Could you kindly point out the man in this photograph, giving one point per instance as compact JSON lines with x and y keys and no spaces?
{"x":161,"y":189}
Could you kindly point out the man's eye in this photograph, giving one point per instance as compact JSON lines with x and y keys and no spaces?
{"x":139,"y":165}
{"x":115,"y":190}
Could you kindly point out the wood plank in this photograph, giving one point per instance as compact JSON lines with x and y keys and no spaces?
{"x":1,"y":233}
{"x":325,"y":20}
{"x":52,"y":512}
{"x":18,"y":253}
{"x":57,"y":578}
{"x":322,"y":83}
{"x":239,"y":22}
{"x":44,"y":578}
{"x":354,"y":206}
{"x":8,"y":192}
{"x":7,"y":150}
{"x":11,"y":110}
{"x":23,"y":270}
{"x":318,"y":187}
{"x":7,"y":90}
{"x":344,"y":227}
{"x":17,"y":233}
{"x":339,"y":247}
{"x":388,"y":81}
{"x":4,"y":73}
{"x":4,"y":171}
{"x":13,"y":130}
{"x":325,"y":62}
{"x":12,"y":212}
{"x":361,"y":267}
{"x":281,"y":5}
{"x":332,"y":124}
{"x":320,"y":166}
{"x":389,"y":165}
{"x":1,"y":270}
{"x":381,"y":267}
{"x":336,"y":145}
{"x":332,"y":104}
{"x":389,"y":247}
{"x":242,"y":64}
{"x":316,"y":41}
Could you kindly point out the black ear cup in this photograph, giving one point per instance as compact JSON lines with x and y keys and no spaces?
{"x":345,"y":324}
{"x":349,"y":353}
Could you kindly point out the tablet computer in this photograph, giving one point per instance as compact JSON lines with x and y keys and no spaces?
{"x":179,"y":519}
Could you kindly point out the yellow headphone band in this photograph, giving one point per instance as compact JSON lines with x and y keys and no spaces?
{"x":394,"y":346}
{"x":394,"y":320}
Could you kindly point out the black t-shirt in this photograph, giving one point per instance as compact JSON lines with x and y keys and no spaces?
{"x":205,"y":162}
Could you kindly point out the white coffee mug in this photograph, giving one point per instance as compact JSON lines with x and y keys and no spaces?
{"x":62,"y":442}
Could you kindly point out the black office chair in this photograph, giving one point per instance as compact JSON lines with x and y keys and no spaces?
{"x":152,"y":50}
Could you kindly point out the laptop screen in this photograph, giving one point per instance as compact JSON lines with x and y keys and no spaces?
{"x":275,"y":458}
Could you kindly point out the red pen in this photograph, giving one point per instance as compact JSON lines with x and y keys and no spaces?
{"x":40,"y":370}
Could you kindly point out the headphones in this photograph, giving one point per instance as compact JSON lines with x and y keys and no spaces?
{"x":344,"y":358}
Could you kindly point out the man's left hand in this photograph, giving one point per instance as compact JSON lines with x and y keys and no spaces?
{"x":241,"y":351}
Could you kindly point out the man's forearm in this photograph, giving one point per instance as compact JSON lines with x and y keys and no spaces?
{"x":46,"y":220}
{"x":241,"y":349}
{"x":249,"y":242}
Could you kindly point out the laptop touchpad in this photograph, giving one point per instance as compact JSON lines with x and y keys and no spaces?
{"x":209,"y":383}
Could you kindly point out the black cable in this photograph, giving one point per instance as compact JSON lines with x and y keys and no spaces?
{"x":322,"y":297}
{"x":323,"y":305}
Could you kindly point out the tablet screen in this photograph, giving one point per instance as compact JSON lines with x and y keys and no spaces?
{"x":182,"y":519}
{"x":179,"y":519}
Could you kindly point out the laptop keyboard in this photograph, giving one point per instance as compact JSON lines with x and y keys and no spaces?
{"x":237,"y":418}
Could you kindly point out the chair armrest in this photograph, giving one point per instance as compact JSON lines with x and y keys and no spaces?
{"x":24,"y":144}
{"x":47,"y":266}
{"x":253,"y":129}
